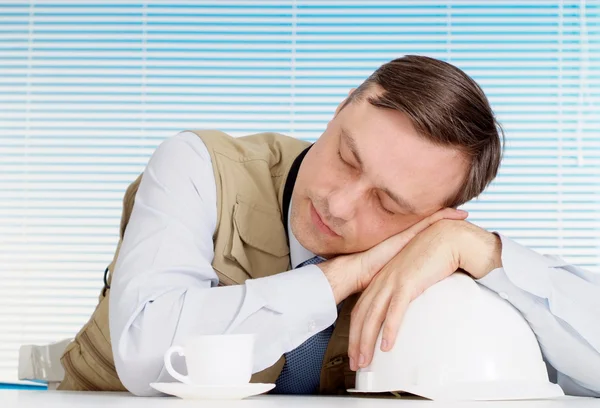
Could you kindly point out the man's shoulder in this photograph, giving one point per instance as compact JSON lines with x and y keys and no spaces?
{"x":253,"y":145}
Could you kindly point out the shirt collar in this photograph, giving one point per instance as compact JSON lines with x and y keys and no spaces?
{"x":298,"y":253}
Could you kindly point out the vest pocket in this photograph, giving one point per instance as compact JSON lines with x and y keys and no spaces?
{"x":258,"y":243}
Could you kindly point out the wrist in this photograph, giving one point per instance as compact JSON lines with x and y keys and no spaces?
{"x":480,"y":251}
{"x":335,"y":270}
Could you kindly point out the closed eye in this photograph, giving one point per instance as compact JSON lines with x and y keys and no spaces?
{"x":382,"y":207}
{"x":339,"y":153}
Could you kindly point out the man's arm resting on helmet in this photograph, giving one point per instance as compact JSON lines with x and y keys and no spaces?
{"x":561,"y":303}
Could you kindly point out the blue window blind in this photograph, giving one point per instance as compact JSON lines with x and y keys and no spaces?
{"x":89,"y":89}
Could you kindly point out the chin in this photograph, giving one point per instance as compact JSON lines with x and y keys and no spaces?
{"x":308,"y":235}
{"x":323,"y":248}
{"x":309,"y":239}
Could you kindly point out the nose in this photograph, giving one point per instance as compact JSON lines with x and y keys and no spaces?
{"x":344,"y":200}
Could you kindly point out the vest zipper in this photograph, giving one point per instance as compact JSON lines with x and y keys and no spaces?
{"x":98,"y":356}
{"x":70,"y":369}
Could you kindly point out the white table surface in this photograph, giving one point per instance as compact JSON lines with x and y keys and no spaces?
{"x":51,"y":399}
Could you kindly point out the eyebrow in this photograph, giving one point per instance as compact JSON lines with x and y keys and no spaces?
{"x":401,"y":202}
{"x":352,"y":146}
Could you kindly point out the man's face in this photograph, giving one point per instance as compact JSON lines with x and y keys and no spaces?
{"x":369,"y":176}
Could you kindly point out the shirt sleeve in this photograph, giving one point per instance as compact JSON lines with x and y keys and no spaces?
{"x":164,"y":288}
{"x":561,"y":303}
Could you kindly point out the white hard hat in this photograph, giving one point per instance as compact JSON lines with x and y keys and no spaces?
{"x":460,"y":341}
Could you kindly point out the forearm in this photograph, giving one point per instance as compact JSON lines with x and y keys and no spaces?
{"x":561,"y":303}
{"x":576,"y":361}
{"x":273,"y":308}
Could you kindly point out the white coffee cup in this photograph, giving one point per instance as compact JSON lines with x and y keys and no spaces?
{"x":214,"y":359}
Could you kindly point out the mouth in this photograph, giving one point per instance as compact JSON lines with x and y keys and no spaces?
{"x":320,"y":224}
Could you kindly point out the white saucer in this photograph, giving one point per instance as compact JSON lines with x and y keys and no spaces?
{"x":212,"y":392}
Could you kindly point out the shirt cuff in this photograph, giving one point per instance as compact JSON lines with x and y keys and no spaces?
{"x":303,"y":295}
{"x":523,"y":280}
{"x":527,"y":269}
{"x":498,"y":281}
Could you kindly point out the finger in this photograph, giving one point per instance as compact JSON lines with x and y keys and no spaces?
{"x":378,"y":256}
{"x":353,"y":334}
{"x":395,"y":243}
{"x":452,"y":214}
{"x":413,"y":231}
{"x":372,"y":326}
{"x":444,"y":213}
{"x":395,"y":315}
{"x":356,"y":323}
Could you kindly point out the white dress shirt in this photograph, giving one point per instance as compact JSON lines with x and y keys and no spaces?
{"x":164,"y":288}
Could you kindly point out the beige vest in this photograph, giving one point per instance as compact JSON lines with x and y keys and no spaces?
{"x":249,"y":242}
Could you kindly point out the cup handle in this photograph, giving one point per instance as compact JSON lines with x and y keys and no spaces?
{"x":169,"y":366}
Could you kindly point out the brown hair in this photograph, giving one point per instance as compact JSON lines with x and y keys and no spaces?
{"x":447,"y":107}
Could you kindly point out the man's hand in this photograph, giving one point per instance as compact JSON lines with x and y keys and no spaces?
{"x":431,"y":256}
{"x":349,"y":274}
